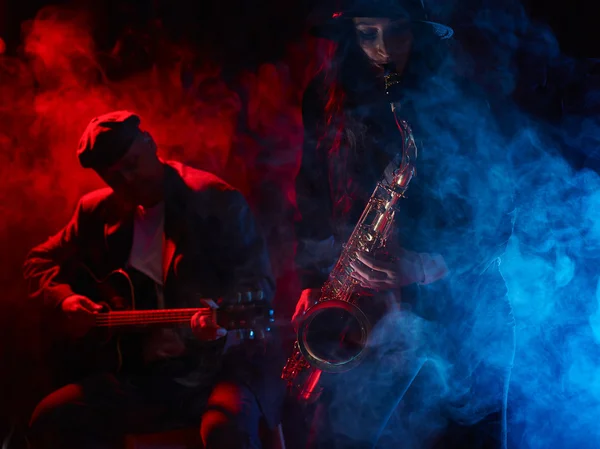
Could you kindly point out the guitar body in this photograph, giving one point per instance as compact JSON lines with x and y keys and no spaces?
{"x":129,"y":313}
{"x":104,"y":348}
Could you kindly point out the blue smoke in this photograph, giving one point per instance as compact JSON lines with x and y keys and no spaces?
{"x":503,"y":158}
{"x":549,"y":262}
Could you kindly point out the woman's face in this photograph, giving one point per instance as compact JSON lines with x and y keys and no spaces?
{"x":384,"y":40}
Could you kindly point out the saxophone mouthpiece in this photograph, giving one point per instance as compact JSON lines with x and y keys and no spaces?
{"x":392,"y":81}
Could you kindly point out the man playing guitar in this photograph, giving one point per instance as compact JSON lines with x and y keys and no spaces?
{"x":174,"y":235}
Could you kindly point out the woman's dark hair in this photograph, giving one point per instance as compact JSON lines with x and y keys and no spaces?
{"x":349,"y":79}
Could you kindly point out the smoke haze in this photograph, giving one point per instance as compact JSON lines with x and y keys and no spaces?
{"x":246,"y":127}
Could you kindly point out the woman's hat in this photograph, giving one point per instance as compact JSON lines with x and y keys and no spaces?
{"x":328,"y":25}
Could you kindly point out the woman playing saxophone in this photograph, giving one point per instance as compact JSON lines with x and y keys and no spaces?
{"x":411,"y":288}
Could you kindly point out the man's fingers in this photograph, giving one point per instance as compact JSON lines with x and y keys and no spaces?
{"x":204,"y":320}
{"x":213,"y":332}
{"x":89,"y":305}
{"x":206,"y":328}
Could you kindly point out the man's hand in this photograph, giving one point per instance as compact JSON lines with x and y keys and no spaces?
{"x":205,"y":327}
{"x":80,"y":313}
{"x":308,"y":297}
{"x":380,"y":272}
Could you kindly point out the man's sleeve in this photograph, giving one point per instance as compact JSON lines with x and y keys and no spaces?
{"x":47,"y":265}
{"x":244,"y":256}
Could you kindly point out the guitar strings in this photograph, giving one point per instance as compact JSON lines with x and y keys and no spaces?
{"x":112,"y":322}
{"x":157,"y":311}
{"x":122,"y":321}
{"x":148,"y":317}
{"x":140,"y":322}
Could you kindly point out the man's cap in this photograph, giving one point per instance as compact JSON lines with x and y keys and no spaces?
{"x":107,"y":138}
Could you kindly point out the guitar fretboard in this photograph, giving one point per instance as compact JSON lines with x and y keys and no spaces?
{"x":147,"y":317}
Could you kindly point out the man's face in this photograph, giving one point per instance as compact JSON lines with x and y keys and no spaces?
{"x":385,"y":41}
{"x":137,"y":176}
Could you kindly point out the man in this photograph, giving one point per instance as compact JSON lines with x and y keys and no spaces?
{"x":182,"y":234}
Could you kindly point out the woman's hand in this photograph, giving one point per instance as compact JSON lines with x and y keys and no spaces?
{"x":379,"y":271}
{"x":308,"y":297}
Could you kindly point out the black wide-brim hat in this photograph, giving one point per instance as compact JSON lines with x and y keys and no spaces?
{"x":328,"y":22}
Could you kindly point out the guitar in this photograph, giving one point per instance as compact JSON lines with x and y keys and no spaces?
{"x":120,"y":292}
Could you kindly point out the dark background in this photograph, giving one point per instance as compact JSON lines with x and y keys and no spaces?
{"x":274,"y":23}
{"x":259,"y":48}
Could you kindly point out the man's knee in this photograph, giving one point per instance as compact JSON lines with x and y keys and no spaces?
{"x":221,"y":430}
{"x":231,"y":418}
{"x":57,"y":410}
{"x":58,"y":419}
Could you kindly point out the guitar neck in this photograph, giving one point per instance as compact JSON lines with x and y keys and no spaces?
{"x":135,"y":318}
{"x":117,"y":290}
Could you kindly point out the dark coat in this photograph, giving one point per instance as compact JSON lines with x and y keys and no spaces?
{"x":212,"y":246}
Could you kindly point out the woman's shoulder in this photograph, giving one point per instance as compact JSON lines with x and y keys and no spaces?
{"x":314,"y":102}
{"x":315,"y":92}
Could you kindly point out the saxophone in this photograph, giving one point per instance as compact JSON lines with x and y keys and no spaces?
{"x":334,"y":331}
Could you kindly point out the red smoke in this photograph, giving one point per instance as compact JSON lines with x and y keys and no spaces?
{"x":249,"y":134}
{"x":60,"y":82}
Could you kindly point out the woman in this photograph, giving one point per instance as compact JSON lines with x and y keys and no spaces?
{"x":443,"y":324}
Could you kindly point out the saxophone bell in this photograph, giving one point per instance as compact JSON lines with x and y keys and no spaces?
{"x":333,"y":336}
